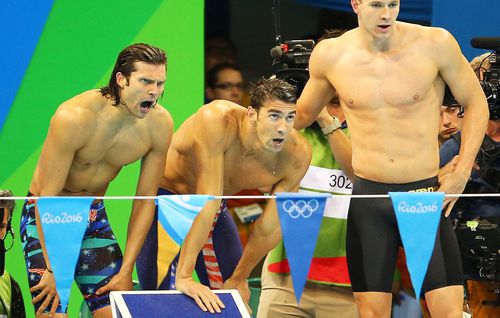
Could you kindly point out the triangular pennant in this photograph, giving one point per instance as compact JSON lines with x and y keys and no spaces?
{"x":300,"y":219}
{"x":177,"y":212}
{"x":64,"y":221}
{"x":418,"y":215}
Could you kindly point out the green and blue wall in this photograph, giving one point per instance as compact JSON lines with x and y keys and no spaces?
{"x":52,"y":50}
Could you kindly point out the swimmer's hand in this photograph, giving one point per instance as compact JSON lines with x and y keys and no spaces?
{"x":202,"y":295}
{"x":452,"y":181}
{"x":324,"y":118}
{"x":47,"y":288}
{"x":121,"y":281}
{"x":242,"y":287}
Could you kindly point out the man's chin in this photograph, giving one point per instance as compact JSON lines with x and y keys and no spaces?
{"x":275,"y":148}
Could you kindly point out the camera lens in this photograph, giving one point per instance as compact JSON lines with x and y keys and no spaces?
{"x":295,"y":77}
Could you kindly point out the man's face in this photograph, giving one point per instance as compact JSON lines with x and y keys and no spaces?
{"x":229,"y":86}
{"x":274,"y":121}
{"x":142,"y":89}
{"x":449,"y":122}
{"x":377,"y":16}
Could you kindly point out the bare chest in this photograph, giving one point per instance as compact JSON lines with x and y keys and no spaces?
{"x":115,"y":147}
{"x":380,"y":81}
{"x":249,"y":173}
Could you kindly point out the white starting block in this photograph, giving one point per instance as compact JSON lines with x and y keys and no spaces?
{"x":172,"y":303}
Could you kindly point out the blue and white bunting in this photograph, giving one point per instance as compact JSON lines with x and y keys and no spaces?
{"x":418,"y":215}
{"x":177,"y":213}
{"x":64,"y":221}
{"x":300,"y":217}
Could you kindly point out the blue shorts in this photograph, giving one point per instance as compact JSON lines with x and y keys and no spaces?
{"x":100,"y":256}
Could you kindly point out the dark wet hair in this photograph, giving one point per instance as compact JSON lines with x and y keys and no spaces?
{"x":331,"y":33}
{"x":139,"y":52}
{"x":271,"y":88}
{"x":213,"y":74}
{"x":448,"y":98}
{"x":9,"y":204}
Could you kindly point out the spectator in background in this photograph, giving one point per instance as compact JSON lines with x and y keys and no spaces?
{"x":451,"y":117}
{"x":225,"y":81}
{"x":11,"y":298}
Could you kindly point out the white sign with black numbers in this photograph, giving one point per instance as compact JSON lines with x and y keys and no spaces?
{"x":333,"y":181}
{"x":326,"y":180}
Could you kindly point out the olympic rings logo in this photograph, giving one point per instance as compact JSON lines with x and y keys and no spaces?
{"x":300,"y":208}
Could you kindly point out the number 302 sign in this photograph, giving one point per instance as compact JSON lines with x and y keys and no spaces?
{"x":340,"y":181}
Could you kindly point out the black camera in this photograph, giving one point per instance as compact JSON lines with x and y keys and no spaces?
{"x":491,"y":85}
{"x":479,"y":242}
{"x":291,"y":62}
{"x":491,"y":82}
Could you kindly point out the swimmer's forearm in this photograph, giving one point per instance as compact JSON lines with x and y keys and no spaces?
{"x":41,"y":238}
{"x":303,"y":118}
{"x":341,"y":148}
{"x":189,"y":252}
{"x":196,"y":239}
{"x":138,"y":227}
{"x":257,"y":247}
{"x":473,"y":130}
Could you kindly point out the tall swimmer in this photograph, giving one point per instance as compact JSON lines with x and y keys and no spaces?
{"x":390,"y":78}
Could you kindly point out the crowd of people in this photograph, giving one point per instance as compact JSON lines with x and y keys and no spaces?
{"x":389,"y":106}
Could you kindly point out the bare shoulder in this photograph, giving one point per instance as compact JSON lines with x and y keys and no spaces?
{"x":331,"y":51}
{"x":330,"y":48}
{"x":220,"y":117}
{"x":435,"y":37}
{"x":439,"y":34}
{"x":443,"y":46}
{"x":75,"y":120}
{"x":79,"y":112}
{"x":298,"y":151}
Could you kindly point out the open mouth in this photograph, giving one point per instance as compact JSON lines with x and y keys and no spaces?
{"x":384,"y":26}
{"x":278,"y":141}
{"x":147,"y":104}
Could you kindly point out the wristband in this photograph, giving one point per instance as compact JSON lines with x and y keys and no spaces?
{"x":332,"y":127}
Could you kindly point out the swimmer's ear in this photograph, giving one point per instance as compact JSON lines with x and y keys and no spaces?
{"x":355,"y":5}
{"x":121,"y":80}
{"x":252,"y":115}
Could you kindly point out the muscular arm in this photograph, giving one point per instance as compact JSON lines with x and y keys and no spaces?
{"x":209,"y":146}
{"x":464,"y":85}
{"x":67,"y":133}
{"x":149,"y":180}
{"x":318,"y":90}
{"x":266,"y":233}
{"x":339,"y":143}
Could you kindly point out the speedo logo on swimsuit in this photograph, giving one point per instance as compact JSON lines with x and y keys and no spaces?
{"x":418,"y":207}
{"x":428,"y":189}
{"x":48,"y":218}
